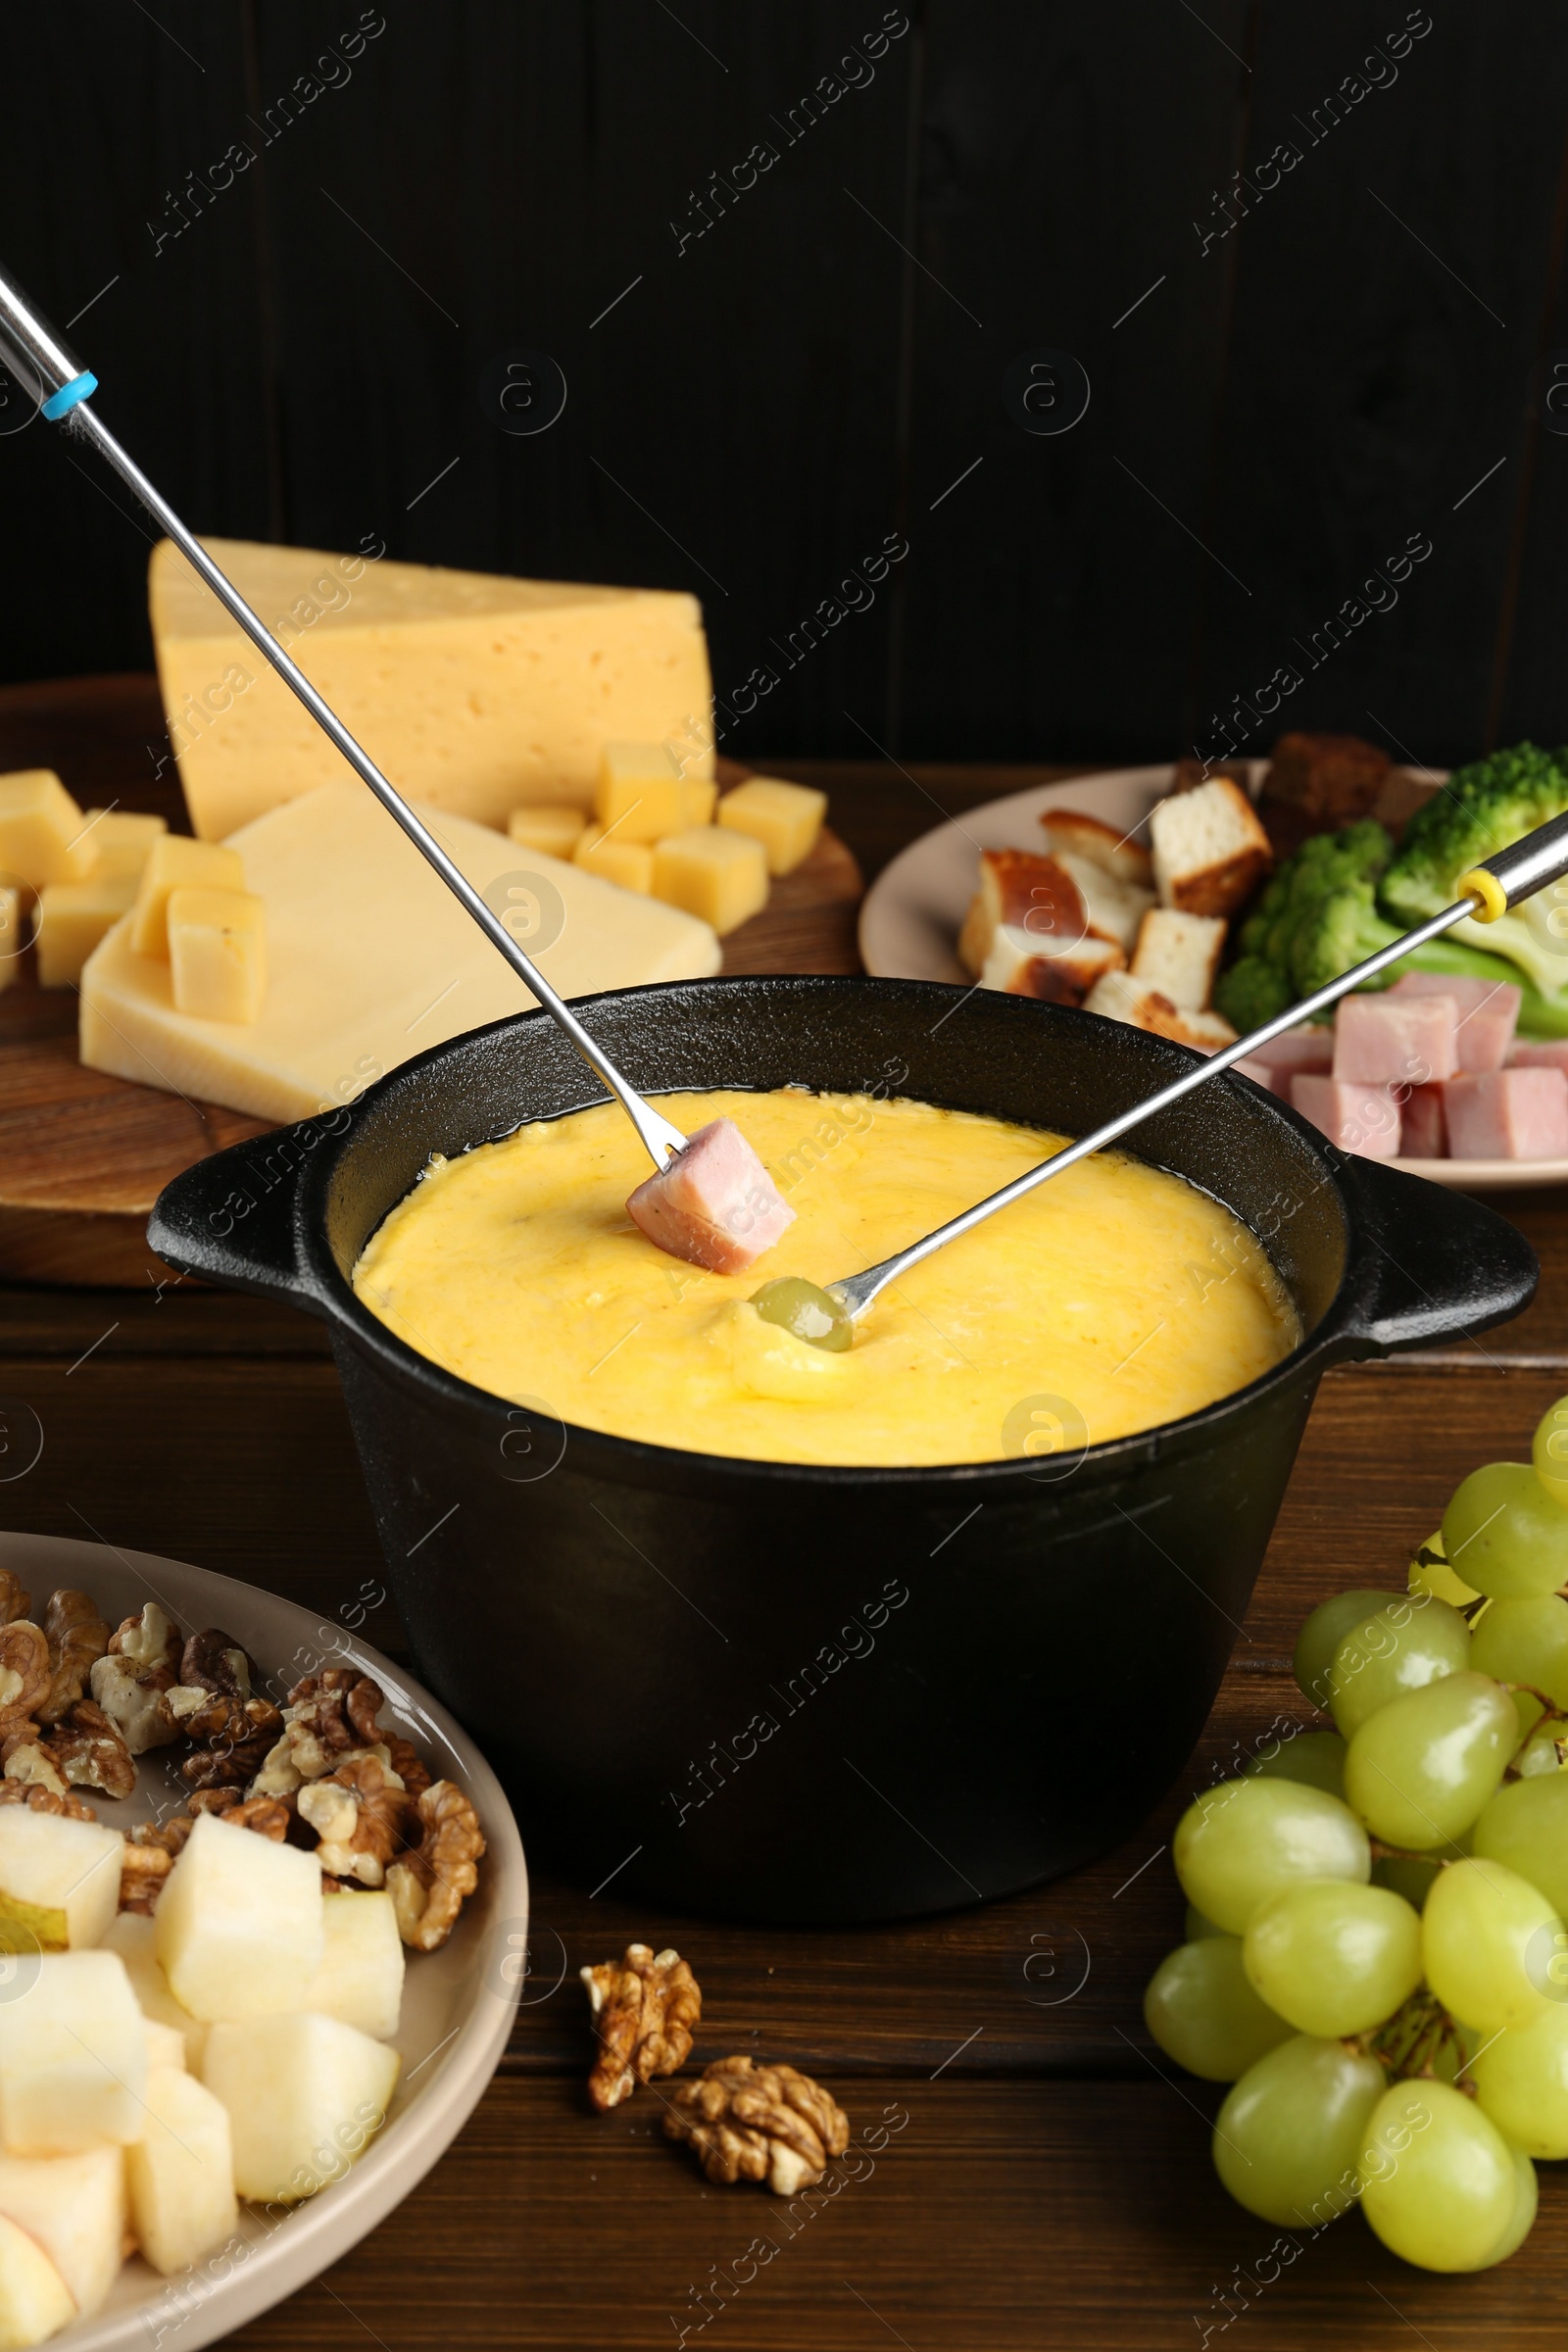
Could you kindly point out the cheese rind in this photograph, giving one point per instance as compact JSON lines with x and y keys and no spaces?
{"x":720,"y":875}
{"x":178,"y":863}
{"x":370,"y":960}
{"x":475,"y":693}
{"x":73,"y":917}
{"x":42,"y":831}
{"x":217,"y":954}
{"x":786,"y":818}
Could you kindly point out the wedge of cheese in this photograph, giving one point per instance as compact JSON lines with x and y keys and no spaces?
{"x":370,"y":960}
{"x":474,"y":693}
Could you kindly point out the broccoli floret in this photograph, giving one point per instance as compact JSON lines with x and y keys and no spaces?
{"x":1252,"y":992}
{"x":1341,"y":929}
{"x":1481,"y":809}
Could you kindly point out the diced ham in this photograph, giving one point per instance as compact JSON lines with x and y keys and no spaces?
{"x":1306,"y":1049}
{"x":1507,"y":1114}
{"x":714,"y":1204}
{"x":1278,"y":1082}
{"x":1423,"y":1132}
{"x":1358,"y":1118}
{"x":1539,"y":1054}
{"x":1396,"y":1041}
{"x":1489,"y":1012}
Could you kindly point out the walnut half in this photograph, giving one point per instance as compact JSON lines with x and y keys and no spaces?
{"x":758,"y":2123}
{"x":644,"y":2007}
{"x":429,"y":1884}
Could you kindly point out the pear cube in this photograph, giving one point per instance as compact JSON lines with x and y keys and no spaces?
{"x":134,"y":1937}
{"x":75,"y":2208}
{"x":304,"y":2095}
{"x":360,"y":1976}
{"x":166,"y":2044}
{"x":239,"y":1923}
{"x":73,"y":2057}
{"x":35,"y":2300}
{"x":59,"y":1881}
{"x":182,"y":2174}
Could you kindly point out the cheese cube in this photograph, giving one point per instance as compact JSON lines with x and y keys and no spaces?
{"x":370,"y":960}
{"x":72,"y":2056}
{"x":786,"y":818}
{"x":175,"y":863}
{"x":304,"y":2095}
{"x":75,"y":2208}
{"x":43,"y":835}
{"x":477,"y":692}
{"x":122,"y":839}
{"x":644,"y":791}
{"x":718,"y":874}
{"x":35,"y":2300}
{"x":14,"y":934}
{"x":217,"y":954}
{"x":181,"y":2175}
{"x":73,"y":917}
{"x":59,"y":1880}
{"x":615,"y":858}
{"x":554,"y":830}
{"x":239,"y":1923}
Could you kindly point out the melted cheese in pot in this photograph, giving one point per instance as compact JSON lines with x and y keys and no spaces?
{"x":1114,"y":1299}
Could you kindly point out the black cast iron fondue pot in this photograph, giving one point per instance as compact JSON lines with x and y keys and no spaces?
{"x":795,"y":1694}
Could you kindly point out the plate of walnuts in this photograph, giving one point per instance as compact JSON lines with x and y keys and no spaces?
{"x":254,"y":1844}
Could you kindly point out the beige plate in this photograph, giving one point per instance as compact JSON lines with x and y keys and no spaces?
{"x":911,"y":914}
{"x":457,"y":2003}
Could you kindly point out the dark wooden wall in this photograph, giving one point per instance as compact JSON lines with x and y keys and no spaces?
{"x":1278,"y":408}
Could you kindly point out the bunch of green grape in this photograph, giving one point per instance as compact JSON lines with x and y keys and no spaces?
{"x":1375,"y":1957}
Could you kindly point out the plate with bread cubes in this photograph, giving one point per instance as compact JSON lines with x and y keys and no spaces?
{"x":1200,"y":898}
{"x":263,"y":1925}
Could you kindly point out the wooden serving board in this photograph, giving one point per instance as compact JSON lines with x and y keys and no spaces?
{"x":84,"y":1156}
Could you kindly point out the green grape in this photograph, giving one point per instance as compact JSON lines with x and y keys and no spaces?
{"x":1548,"y":1450}
{"x":1538,"y":1754}
{"x":1430,"y":1573}
{"x":1398,"y":1648}
{"x":1409,"y":1875}
{"x":1504,"y":1534}
{"x":1439,"y":2181}
{"x":1421,"y":1768}
{"x":1198,"y":1926}
{"x":1323,"y":1632}
{"x":1525,"y":1827}
{"x":1314,"y":1758}
{"x":1524,"y":1641}
{"x":1488,"y":1938}
{"x":1526,"y":2196}
{"x":1203,"y":2012}
{"x":1243,"y":1842}
{"x":1333,"y":1959}
{"x":809,"y":1311}
{"x":1521,"y":2080}
{"x":1289,"y":2138}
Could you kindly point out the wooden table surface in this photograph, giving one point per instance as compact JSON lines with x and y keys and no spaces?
{"x":1044,"y":2179}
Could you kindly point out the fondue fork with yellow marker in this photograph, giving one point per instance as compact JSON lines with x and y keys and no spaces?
{"x":710,"y":1199}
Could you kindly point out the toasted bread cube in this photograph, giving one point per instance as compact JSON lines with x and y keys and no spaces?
{"x":1330,"y":778}
{"x":72,"y":2056}
{"x":122,"y":840}
{"x":786,"y":818}
{"x":75,"y":2208}
{"x":1119,"y":996}
{"x":1068,"y":833}
{"x":1179,"y":955}
{"x":182,"y":2174}
{"x":59,"y":1881}
{"x":1211,"y":852}
{"x":43,"y":836}
{"x":360,"y":1978}
{"x":73,"y":917}
{"x":642,"y":793}
{"x":218,"y":954}
{"x":1054,"y":910}
{"x":713,"y":872}
{"x":553,"y":830}
{"x":175,"y":863}
{"x":35,"y":2300}
{"x":1358,"y":1118}
{"x":1020,"y":964}
{"x":239,"y":1923}
{"x":1518,"y":1114}
{"x":1112,"y":909}
{"x":304,"y":2095}
{"x":134,"y":1937}
{"x":614,"y":859}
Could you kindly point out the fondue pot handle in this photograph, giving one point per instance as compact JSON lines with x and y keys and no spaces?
{"x":1427,"y":1265}
{"x":230,"y":1219}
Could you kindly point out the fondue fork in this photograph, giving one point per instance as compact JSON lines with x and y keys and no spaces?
{"x":48,"y":371}
{"x":1490,"y":890}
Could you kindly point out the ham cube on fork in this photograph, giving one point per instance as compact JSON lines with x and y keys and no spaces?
{"x":714,"y":1204}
